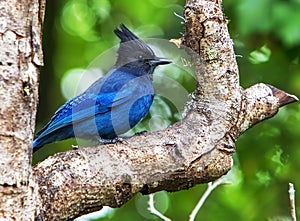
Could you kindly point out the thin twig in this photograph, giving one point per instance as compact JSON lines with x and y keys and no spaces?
{"x":292,"y":201}
{"x":152,"y":209}
{"x":179,"y":16}
{"x":210,"y":188}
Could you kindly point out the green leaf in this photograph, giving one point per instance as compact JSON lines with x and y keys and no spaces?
{"x":263,"y":177}
{"x":261,"y":55}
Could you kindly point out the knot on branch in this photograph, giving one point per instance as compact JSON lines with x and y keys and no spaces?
{"x":260,"y":102}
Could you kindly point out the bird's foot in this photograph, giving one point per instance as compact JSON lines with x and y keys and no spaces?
{"x":141,"y":133}
{"x":121,"y":140}
{"x":112,"y":141}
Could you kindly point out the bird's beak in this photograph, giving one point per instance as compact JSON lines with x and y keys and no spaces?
{"x":160,"y":61}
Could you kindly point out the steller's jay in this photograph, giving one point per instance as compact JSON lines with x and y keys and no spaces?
{"x":114,"y":103}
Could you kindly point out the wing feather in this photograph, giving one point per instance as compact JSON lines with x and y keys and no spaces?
{"x":80,"y":109}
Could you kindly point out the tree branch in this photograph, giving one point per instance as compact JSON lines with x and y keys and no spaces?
{"x":154,"y":211}
{"x":208,"y":191}
{"x":292,"y":201}
{"x":196,"y":150}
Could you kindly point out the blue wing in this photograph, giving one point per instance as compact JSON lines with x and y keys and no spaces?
{"x":88,"y":105}
{"x":82,"y":108}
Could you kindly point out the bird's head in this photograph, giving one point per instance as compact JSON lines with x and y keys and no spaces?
{"x":135,"y":54}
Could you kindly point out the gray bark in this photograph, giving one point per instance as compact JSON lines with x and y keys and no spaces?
{"x":20,"y":58}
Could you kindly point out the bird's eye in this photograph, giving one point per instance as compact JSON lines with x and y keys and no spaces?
{"x":140,"y":57}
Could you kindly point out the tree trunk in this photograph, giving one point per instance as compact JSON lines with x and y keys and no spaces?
{"x":196,"y":150}
{"x":20,"y":59}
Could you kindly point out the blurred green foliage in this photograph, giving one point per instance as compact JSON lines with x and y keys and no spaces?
{"x":267,"y":41}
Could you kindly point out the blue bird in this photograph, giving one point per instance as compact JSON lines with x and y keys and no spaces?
{"x":114,"y":103}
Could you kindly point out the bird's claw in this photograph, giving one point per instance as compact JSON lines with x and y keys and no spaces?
{"x":112,"y":141}
{"x":141,"y":133}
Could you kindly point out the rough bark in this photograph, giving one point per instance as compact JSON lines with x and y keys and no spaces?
{"x":20,"y":58}
{"x":196,"y":150}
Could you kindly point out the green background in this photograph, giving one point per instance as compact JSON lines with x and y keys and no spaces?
{"x":266,"y":34}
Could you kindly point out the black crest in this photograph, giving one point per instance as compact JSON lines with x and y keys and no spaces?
{"x":131,"y":47}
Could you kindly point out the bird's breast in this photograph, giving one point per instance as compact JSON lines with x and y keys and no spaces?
{"x":130,"y":105}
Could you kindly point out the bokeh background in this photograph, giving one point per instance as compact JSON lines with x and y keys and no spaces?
{"x":266,"y":34}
